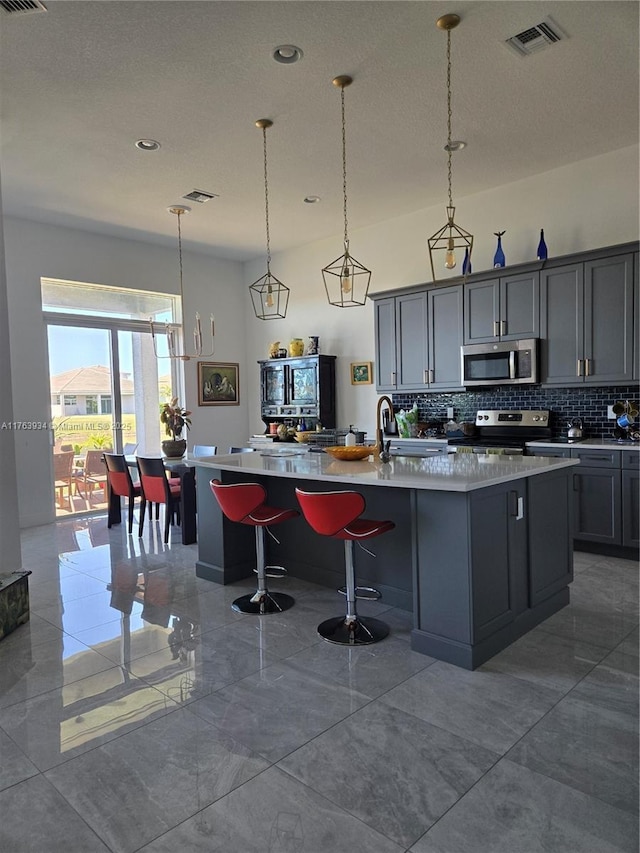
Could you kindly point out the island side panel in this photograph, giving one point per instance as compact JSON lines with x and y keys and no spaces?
{"x":550,"y":534}
{"x":226,"y":550}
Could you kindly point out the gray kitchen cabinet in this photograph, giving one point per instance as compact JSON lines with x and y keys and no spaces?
{"x":597,"y":485}
{"x":385,"y":342}
{"x":418,"y":337}
{"x":504,"y":308}
{"x":631,"y":500}
{"x":562,"y":452}
{"x":586,"y":322}
{"x":636,"y":314}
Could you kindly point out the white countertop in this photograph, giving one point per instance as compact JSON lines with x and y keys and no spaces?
{"x":441,"y":472}
{"x":590,"y":444}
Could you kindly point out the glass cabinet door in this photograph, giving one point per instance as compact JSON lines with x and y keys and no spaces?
{"x":303,"y":384}
{"x":273,"y":385}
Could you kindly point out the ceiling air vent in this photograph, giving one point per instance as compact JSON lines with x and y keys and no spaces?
{"x":11,"y":6}
{"x":536,"y":38}
{"x":200,"y":196}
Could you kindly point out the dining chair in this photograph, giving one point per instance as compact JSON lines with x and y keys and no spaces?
{"x":241,"y":449}
{"x":92,"y":475}
{"x":204,"y":450}
{"x":129,"y":449}
{"x":63,"y":476}
{"x":119,"y":483}
{"x":158,"y":489}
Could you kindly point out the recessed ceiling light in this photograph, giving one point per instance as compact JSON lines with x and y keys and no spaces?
{"x":287,"y":54}
{"x":456,"y":145}
{"x":312,"y":199}
{"x":147,"y":145}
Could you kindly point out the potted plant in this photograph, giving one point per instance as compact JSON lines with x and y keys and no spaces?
{"x":175,"y":418}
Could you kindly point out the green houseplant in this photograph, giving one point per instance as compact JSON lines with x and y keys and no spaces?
{"x":175,"y":418}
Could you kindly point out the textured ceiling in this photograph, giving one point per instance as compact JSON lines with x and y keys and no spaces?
{"x":81,"y":82}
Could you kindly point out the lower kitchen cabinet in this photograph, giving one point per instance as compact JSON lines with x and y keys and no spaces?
{"x":598,"y":505}
{"x":631,"y":500}
{"x":606,"y":489}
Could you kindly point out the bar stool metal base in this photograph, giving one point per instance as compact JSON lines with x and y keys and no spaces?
{"x":267,"y":602}
{"x":356,"y":632}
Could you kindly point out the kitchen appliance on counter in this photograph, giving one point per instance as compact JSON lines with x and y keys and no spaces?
{"x":574,"y":432}
{"x":504,"y":431}
{"x":500,"y":363}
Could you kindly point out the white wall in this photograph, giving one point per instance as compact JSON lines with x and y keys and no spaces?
{"x":582,"y":206}
{"x":10,"y":551}
{"x":34,"y":250}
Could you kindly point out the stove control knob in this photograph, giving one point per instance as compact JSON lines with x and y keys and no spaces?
{"x":536,"y":417}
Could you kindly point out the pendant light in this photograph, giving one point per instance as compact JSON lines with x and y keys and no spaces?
{"x":346,"y":280}
{"x":269,"y":296}
{"x":450,"y":237}
{"x":169,"y":328}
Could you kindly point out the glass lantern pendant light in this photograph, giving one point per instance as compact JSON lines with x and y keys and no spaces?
{"x":169,"y":328}
{"x":346,"y":280}
{"x":270,"y":297}
{"x":450,"y":237}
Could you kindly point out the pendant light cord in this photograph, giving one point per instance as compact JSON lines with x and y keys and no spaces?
{"x":266,"y":198}
{"x":180,"y":257}
{"x":344,"y":172}
{"x":449,"y":112}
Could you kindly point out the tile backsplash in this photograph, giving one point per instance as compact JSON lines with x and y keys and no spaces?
{"x":563,"y":404}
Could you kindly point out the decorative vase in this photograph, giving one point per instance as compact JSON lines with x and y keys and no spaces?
{"x":542,"y":251}
{"x":296,"y":347}
{"x":466,"y":264}
{"x":273,"y":349}
{"x":498,"y":258}
{"x":312,"y":345}
{"x":174,"y":448}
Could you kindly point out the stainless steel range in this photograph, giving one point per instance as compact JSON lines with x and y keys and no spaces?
{"x":500,"y":431}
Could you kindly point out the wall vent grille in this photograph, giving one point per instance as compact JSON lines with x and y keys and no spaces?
{"x":536,"y":38}
{"x":23,"y":6}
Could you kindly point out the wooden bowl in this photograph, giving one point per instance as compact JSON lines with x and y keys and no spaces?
{"x":303,"y":435}
{"x":350,"y":454}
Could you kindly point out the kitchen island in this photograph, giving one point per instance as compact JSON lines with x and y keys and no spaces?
{"x":481,"y":551}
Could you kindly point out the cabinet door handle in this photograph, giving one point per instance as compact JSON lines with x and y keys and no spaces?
{"x":393,"y":377}
{"x":432,"y":377}
{"x":503,"y":327}
{"x":579,"y":368}
{"x":425,"y":376}
{"x":587,"y":367}
{"x":496,"y":328}
{"x":517,"y":506}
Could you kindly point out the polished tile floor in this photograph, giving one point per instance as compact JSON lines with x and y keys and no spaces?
{"x":138,"y":712}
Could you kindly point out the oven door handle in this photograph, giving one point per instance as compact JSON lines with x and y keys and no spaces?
{"x":512,"y":364}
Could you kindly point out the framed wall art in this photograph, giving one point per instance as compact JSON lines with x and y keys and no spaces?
{"x":218,"y":383}
{"x":361,"y":373}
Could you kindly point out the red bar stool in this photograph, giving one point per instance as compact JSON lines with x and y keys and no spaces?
{"x":246,"y":503}
{"x":337,"y":514}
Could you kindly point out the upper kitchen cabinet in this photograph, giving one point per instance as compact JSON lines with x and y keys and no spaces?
{"x":586,"y":312}
{"x":418,"y":338}
{"x":504,"y":308}
{"x":636,"y":313}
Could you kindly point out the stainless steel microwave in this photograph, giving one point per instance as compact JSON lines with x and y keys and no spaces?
{"x":500,"y":363}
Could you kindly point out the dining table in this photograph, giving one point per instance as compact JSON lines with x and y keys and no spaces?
{"x":184,"y":468}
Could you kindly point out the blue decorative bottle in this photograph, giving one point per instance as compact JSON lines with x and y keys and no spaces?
{"x":498,"y":258}
{"x":466,"y":264}
{"x":542,"y":251}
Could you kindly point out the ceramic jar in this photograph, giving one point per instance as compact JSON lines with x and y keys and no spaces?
{"x":273,"y":349}
{"x":312,"y":345}
{"x":296,"y":347}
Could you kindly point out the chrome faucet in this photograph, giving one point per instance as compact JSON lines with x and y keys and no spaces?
{"x":379,"y":433}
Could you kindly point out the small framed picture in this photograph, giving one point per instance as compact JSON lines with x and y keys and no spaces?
{"x":218,"y":384}
{"x":361,"y":373}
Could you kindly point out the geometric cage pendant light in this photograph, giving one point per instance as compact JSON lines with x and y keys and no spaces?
{"x":443,"y":244}
{"x":269,"y":295}
{"x":170,"y":329}
{"x":346,"y":280}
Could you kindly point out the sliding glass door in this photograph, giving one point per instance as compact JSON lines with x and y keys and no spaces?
{"x":106,"y":386}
